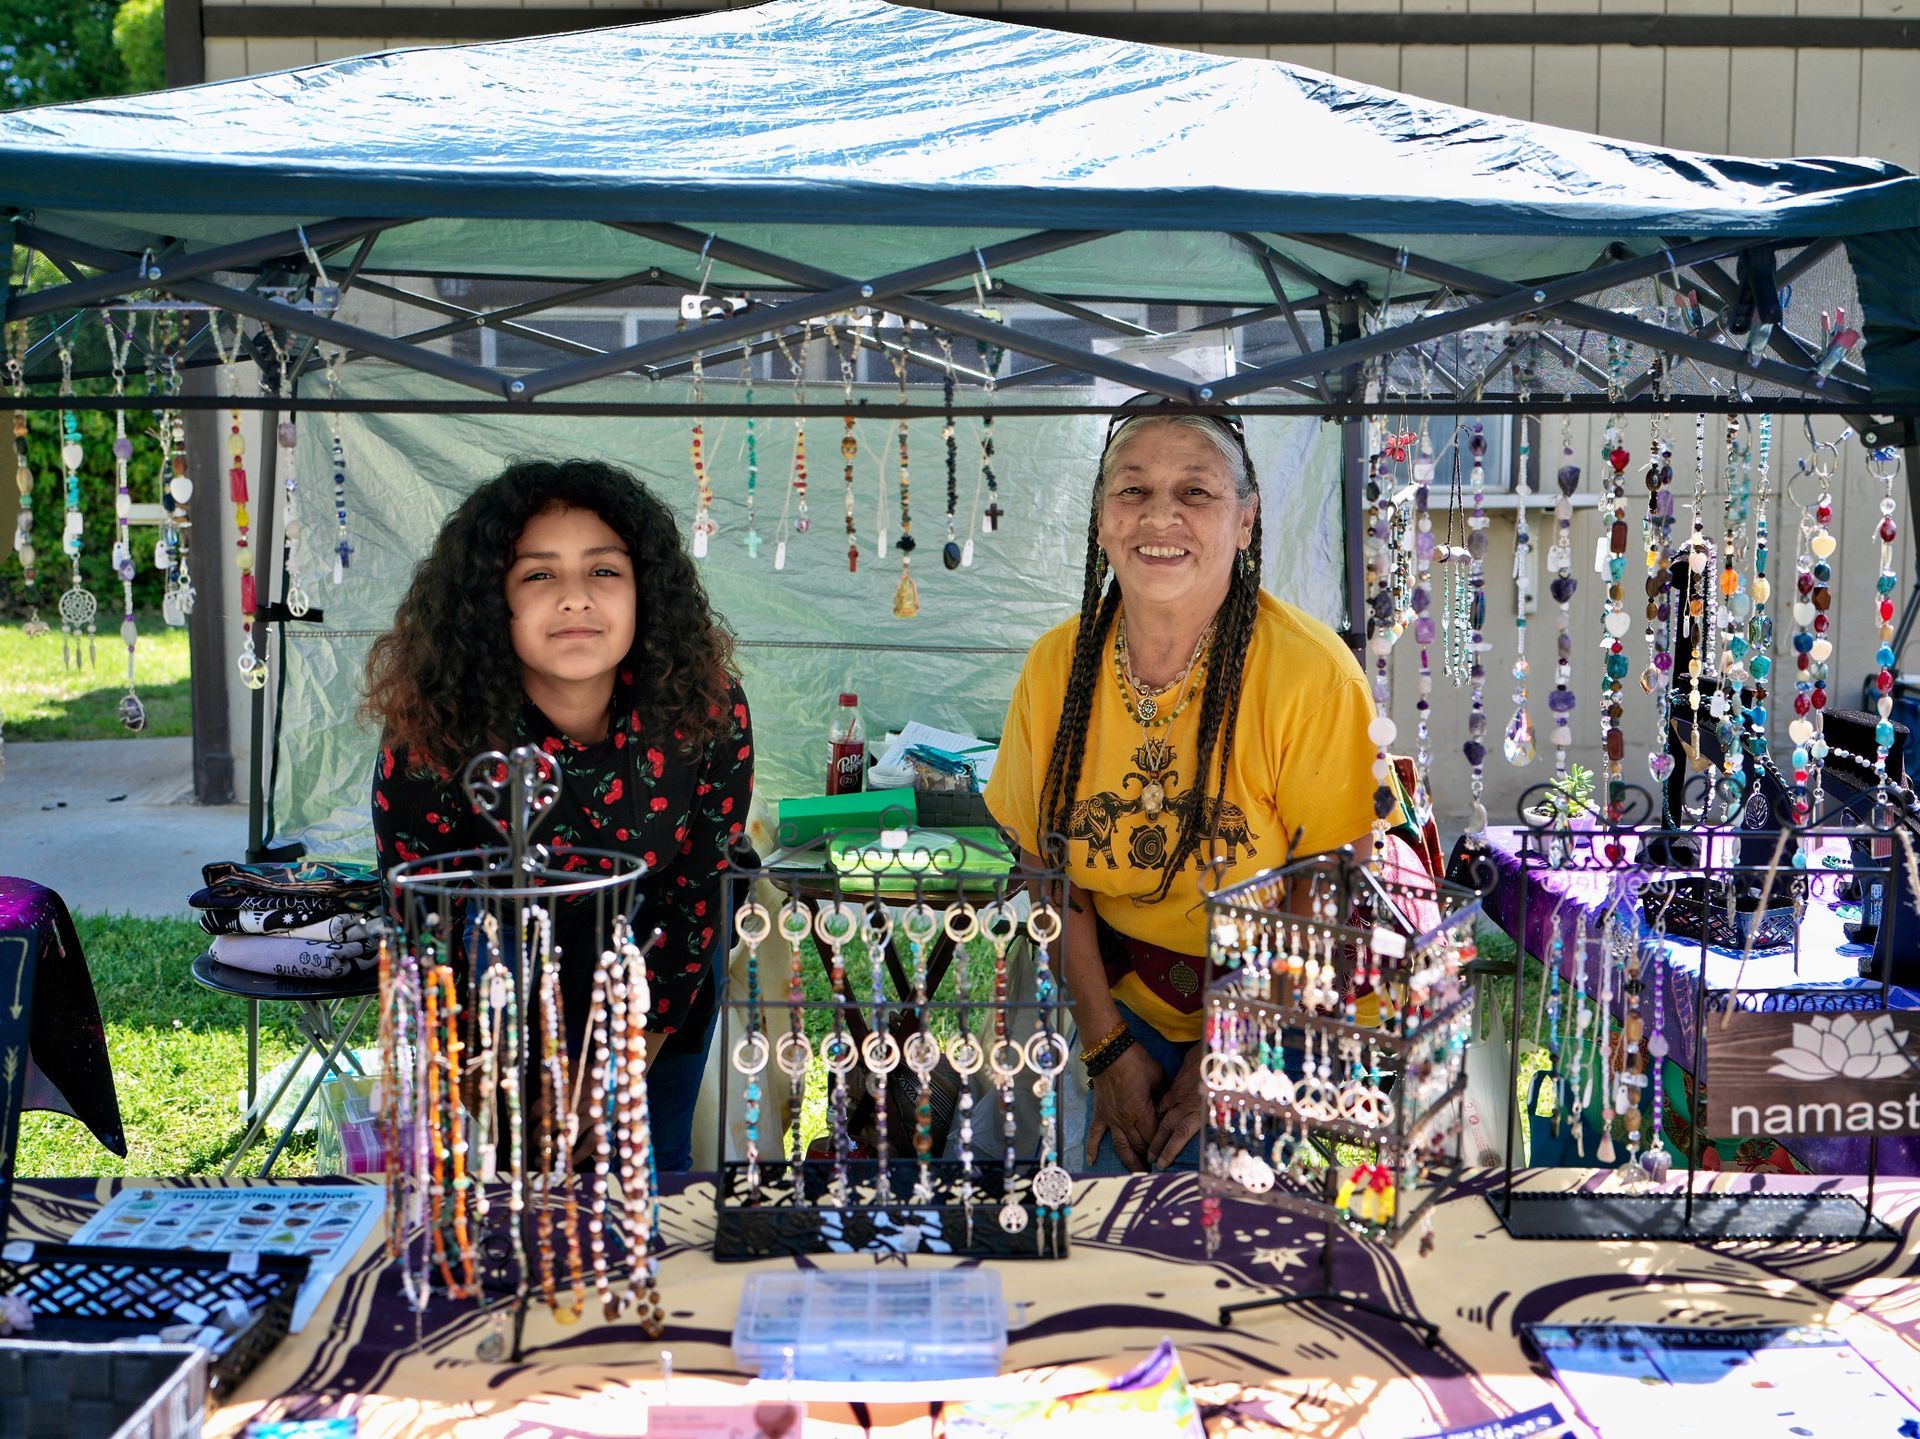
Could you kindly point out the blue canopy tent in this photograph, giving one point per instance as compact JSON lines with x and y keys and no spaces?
{"x":986,"y":188}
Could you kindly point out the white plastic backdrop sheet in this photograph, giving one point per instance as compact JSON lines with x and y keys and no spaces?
{"x":807,"y":632}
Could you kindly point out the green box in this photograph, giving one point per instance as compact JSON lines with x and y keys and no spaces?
{"x":807,"y":818}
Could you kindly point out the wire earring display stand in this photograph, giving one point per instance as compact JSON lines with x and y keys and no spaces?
{"x":1307,"y":1109}
{"x":1731,"y":894}
{"x":896,"y":994}
{"x":503,"y":1159}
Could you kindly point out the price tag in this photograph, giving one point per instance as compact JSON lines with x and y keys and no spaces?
{"x":191,"y":1313}
{"x":18,"y":1251}
{"x":243,"y":1263}
{"x":1389,"y":944}
{"x":726,"y":1421}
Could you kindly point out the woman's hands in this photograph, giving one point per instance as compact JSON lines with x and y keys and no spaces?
{"x":1123,"y":1108}
{"x":1183,"y":1111}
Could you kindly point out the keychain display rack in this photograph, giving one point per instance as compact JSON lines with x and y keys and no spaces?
{"x":1307,"y":1109}
{"x":1707,"y":888}
{"x":894,"y":1046}
{"x":486,"y":1119}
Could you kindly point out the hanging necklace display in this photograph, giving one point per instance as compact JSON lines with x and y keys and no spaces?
{"x":1005,"y":1060}
{"x":1380,"y":566}
{"x":1047,"y":1055}
{"x":252,"y":669}
{"x":964,"y":1053}
{"x":23,"y":546}
{"x":1518,"y":745}
{"x":293,"y":594}
{"x":1562,"y":701}
{"x":1759,"y":654}
{"x":703,"y":526}
{"x":1813,"y":598}
{"x":879,"y":1051}
{"x":849,"y":442}
{"x":1422,"y":602}
{"x":1475,"y":747}
{"x":342,"y":547}
{"x":1610,"y":561}
{"x":836,"y":924}
{"x":1656,"y":533}
{"x":133,"y":714}
{"x":794,"y":1051}
{"x":753,"y":454}
{"x":1883,"y":465}
{"x":751,"y":1052}
{"x":1727,"y":706}
{"x":921,"y":1053}
{"x":906,"y":596}
{"x":78,"y":608}
{"x":950,"y":552}
{"x":1453,"y":583}
{"x":176,"y":490}
{"x":991,"y":356}
{"x":797,"y":489}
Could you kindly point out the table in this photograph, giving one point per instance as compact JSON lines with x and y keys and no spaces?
{"x":1138,"y":1273}
{"x":1531,"y":902}
{"x":317,"y":1010}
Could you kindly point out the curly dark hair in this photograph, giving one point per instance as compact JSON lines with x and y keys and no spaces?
{"x":1226,"y":665}
{"x":433,"y":680}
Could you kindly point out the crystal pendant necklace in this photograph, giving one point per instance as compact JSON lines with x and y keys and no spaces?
{"x":1453,"y":581}
{"x":950,"y":552}
{"x":1423,"y":626}
{"x":753,"y":454}
{"x":1475,"y":748}
{"x":1380,"y":561}
{"x":1813,"y":597}
{"x":1518,"y":746}
{"x":1760,"y":591}
{"x":78,"y":608}
{"x":849,"y":443}
{"x":990,"y":359}
{"x":1727,"y":706}
{"x":1883,"y":466}
{"x":1611,"y":562}
{"x":1657,"y":537}
{"x":906,"y":595}
{"x":23,"y":546}
{"x":252,"y":670}
{"x":702,"y":488}
{"x":797,"y":488}
{"x":342,"y":547}
{"x":133,"y":714}
{"x":1563,"y":586}
{"x":176,"y":489}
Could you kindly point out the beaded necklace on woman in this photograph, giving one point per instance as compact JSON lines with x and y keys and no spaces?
{"x":1143,"y":704}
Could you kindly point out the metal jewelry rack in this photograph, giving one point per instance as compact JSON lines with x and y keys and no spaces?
{"x":893,"y":1049}
{"x":484,"y":1201}
{"x":1286,"y":952}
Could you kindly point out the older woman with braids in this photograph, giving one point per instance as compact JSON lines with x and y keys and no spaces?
{"x":1186,"y":729}
{"x":558,"y":608}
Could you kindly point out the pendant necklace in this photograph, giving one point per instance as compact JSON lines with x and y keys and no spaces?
{"x":1453,"y":581}
{"x":78,"y":608}
{"x":921,"y":1053}
{"x":1760,"y":591}
{"x":1656,"y":532}
{"x":964,"y":1053}
{"x":1883,"y":465}
{"x":849,"y":442}
{"x":1005,"y":1060}
{"x":1380,"y":561}
{"x":1518,"y":746}
{"x":342,"y":548}
{"x":836,"y":924}
{"x":133,"y":714}
{"x":753,"y":454}
{"x":1727,"y":706}
{"x":880,"y":1051}
{"x":906,"y":596}
{"x":23,"y":482}
{"x":1813,"y":598}
{"x":950,"y":552}
{"x":1475,"y":748}
{"x":750,"y":1054}
{"x":252,"y":669}
{"x":1423,"y":626}
{"x":1610,"y":561}
{"x":1153,"y":756}
{"x":176,"y":489}
{"x":1699,"y":584}
{"x":1562,"y":701}
{"x":797,"y":488}
{"x":794,"y":1051}
{"x":1047,"y":1054}
{"x":991,"y":356}
{"x":702,"y":489}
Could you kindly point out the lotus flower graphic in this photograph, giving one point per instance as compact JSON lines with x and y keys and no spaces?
{"x":1844,"y":1046}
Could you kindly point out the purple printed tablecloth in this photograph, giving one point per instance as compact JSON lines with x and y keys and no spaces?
{"x":1533,"y":902}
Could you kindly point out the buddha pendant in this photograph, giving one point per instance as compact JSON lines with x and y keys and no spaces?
{"x":1153,"y":798}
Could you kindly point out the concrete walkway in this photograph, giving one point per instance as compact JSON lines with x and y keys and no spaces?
{"x":111,"y":824}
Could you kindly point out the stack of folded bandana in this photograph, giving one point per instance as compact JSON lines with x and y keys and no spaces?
{"x":308,"y":920}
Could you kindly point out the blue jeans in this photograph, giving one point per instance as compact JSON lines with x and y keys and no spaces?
{"x":673,"y":1088}
{"x":1169,"y":1055}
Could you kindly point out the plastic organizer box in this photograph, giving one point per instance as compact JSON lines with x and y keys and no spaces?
{"x":873,"y":1324}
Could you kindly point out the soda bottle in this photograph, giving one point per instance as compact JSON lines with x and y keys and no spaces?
{"x":847,"y":742}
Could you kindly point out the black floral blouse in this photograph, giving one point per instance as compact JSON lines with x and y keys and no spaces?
{"x":629,"y":793}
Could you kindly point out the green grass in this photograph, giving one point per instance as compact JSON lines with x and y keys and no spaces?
{"x":179,"y":1056}
{"x":42,"y":699}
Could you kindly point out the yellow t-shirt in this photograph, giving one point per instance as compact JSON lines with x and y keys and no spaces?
{"x":1301,"y":760}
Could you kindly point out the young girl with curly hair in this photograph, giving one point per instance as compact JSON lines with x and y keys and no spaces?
{"x":558,"y":608}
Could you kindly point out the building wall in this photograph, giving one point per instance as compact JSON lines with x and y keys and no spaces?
{"x":1737,"y":99}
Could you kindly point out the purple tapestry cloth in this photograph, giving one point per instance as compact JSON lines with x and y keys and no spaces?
{"x":1532,"y":902}
{"x":68,"y":1070}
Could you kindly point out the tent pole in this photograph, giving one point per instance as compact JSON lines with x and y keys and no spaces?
{"x":206,"y":624}
{"x":1353,"y":445}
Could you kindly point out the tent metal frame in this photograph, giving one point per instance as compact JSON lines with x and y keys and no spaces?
{"x":271,"y":279}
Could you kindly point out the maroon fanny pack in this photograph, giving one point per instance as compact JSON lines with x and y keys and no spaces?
{"x":1173,"y":977}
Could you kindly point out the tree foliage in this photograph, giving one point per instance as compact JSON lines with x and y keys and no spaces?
{"x":52,"y":52}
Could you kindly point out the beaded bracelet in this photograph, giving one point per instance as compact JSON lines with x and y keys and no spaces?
{"x":1108,"y":1054}
{"x":1093,"y":1051}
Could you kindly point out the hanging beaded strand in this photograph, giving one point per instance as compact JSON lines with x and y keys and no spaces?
{"x":906,"y":596}
{"x":989,"y":518}
{"x":849,"y":443}
{"x":1813,"y":597}
{"x":1728,"y":703}
{"x":176,"y":488}
{"x":342,"y":546}
{"x":950,"y":552}
{"x":1611,"y":562}
{"x":1656,"y":534}
{"x":1475,"y":748}
{"x":1518,"y":743}
{"x":1563,"y":586}
{"x":1883,"y":465}
{"x":1453,"y":580}
{"x":702,"y":488}
{"x":1759,"y":623}
{"x":1423,"y":626}
{"x":23,"y":547}
{"x":133,"y":714}
{"x":252,"y":669}
{"x":797,"y":487}
{"x":1380,"y":728}
{"x":753,"y":453}
{"x":78,"y":608}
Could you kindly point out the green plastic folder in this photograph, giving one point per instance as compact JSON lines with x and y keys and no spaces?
{"x":804,"y":820}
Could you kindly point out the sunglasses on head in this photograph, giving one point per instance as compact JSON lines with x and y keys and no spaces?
{"x":1143,"y":404}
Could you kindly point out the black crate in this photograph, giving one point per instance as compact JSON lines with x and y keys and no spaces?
{"x":102,"y":1391}
{"x":94,"y":1294}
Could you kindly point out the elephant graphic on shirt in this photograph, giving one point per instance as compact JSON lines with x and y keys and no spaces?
{"x":1093,"y":819}
{"x":1219,"y":819}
